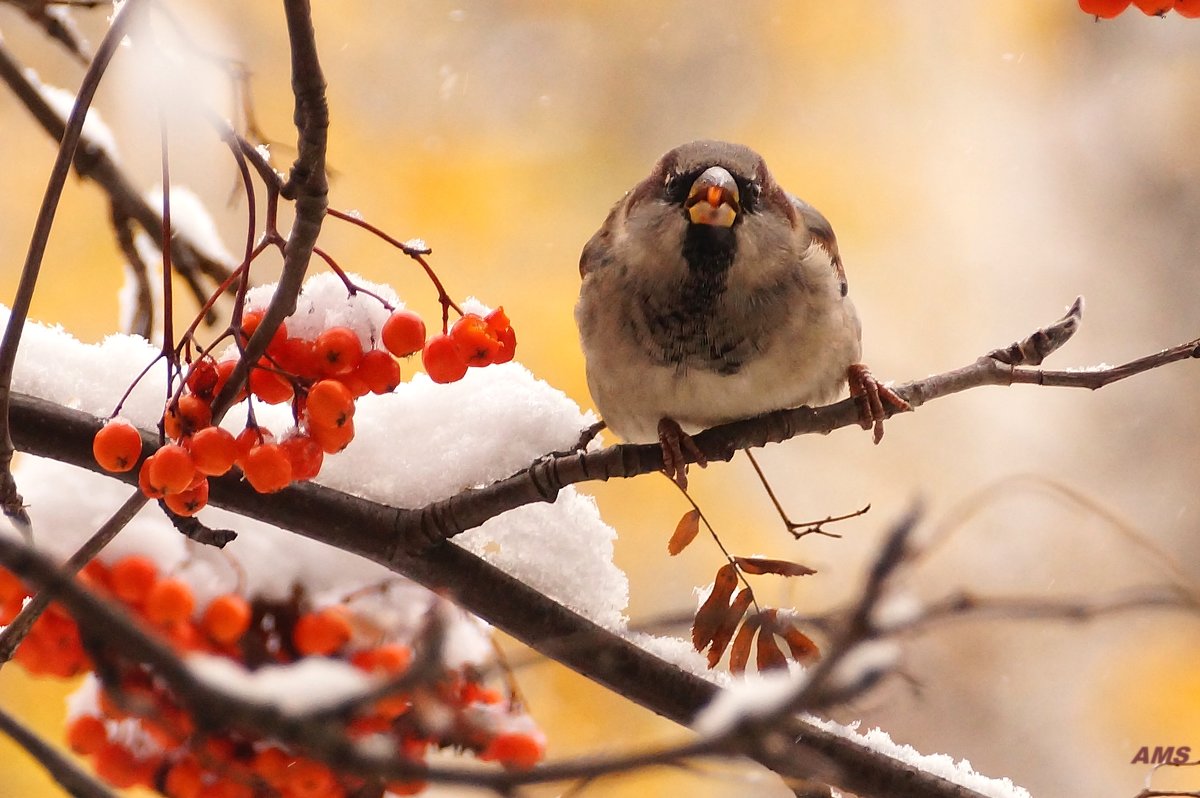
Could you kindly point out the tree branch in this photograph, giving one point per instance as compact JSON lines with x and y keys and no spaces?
{"x":387,"y":535}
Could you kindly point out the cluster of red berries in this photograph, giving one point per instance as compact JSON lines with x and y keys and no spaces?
{"x":1107,"y":9}
{"x":321,"y":378}
{"x":138,"y":734}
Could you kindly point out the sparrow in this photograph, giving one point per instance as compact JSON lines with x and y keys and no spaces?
{"x":710,"y":294}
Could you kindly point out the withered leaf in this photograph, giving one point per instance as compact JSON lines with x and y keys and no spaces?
{"x":724,"y":633}
{"x":802,"y":647}
{"x":765,"y":565}
{"x":685,"y":532}
{"x":713,"y":610}
{"x":770,"y":655}
{"x":739,"y":655}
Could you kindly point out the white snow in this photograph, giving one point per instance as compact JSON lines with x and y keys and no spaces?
{"x":757,"y":695}
{"x":61,"y":101}
{"x":304,"y":686}
{"x":960,"y":772}
{"x":190,"y":218}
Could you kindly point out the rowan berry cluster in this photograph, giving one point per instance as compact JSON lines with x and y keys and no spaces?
{"x":1107,"y":9}
{"x":137,"y":732}
{"x":321,"y":377}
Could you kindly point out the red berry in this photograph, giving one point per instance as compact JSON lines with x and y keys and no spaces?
{"x":1106,"y":9}
{"x":250,"y":322}
{"x":329,"y":404}
{"x":1188,"y":8}
{"x":170,"y":601}
{"x":86,"y":735}
{"x":379,"y":370}
{"x":1154,"y":8}
{"x":191,"y":501}
{"x":339,"y":350}
{"x":299,"y":357}
{"x":214,"y":450}
{"x":332,"y":439}
{"x":269,"y":385}
{"x":516,"y":750}
{"x":117,"y":446}
{"x":476,"y":341}
{"x":171,"y":469}
{"x":132,"y":578}
{"x":267,"y":468}
{"x":403,"y":333}
{"x":442,"y":360}
{"x":202,"y":377}
{"x":305,"y":456}
{"x":226,"y":618}
{"x":322,"y":632}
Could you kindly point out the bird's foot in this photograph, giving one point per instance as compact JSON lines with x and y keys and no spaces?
{"x":674,"y":442}
{"x":871,"y":396}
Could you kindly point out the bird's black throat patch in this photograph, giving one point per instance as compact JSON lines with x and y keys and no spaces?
{"x":683,"y":327}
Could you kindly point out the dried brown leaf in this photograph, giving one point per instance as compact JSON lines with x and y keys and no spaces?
{"x":765,"y":565}
{"x":739,"y":655}
{"x":685,"y":532}
{"x":724,"y":633}
{"x":801,"y":646}
{"x":770,"y":655}
{"x":712,"y":611}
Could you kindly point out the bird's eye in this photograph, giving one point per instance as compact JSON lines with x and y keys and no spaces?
{"x":750,"y":195}
{"x":675,"y":188}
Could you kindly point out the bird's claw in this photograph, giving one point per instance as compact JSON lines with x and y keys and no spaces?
{"x":870,"y":396}
{"x":674,"y":441}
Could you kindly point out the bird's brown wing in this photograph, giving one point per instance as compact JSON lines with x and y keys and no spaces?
{"x":822,"y":232}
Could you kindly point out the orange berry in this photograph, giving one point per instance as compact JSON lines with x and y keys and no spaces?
{"x":250,"y":322}
{"x":11,"y":586}
{"x":228,"y":787}
{"x":1187,"y":8}
{"x":333,"y":439}
{"x":202,"y":377}
{"x":133,"y":577}
{"x":415,"y":787}
{"x":170,"y":601}
{"x":224,"y":372}
{"x":95,"y":576}
{"x":116,"y":765}
{"x":1154,"y":8}
{"x":1106,"y":9}
{"x":171,"y":468}
{"x":442,"y":360}
{"x":272,"y":765}
{"x":305,"y":455}
{"x":269,"y":385}
{"x":338,"y":349}
{"x":86,"y":735}
{"x":403,"y":333}
{"x":390,"y":658}
{"x":329,"y":404}
{"x":194,"y":413}
{"x":307,"y":778}
{"x":322,"y":632}
{"x":379,"y":370}
{"x":299,"y":357}
{"x":117,"y":446}
{"x":213,"y":451}
{"x":267,"y":468}
{"x":10,"y":608}
{"x":516,"y":750}
{"x":191,"y":501}
{"x":226,"y":618}
{"x":354,"y":383}
{"x":476,"y":341}
{"x":185,"y":779}
{"x":248,"y":438}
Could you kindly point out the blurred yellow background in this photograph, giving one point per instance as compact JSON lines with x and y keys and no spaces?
{"x":982,"y":163}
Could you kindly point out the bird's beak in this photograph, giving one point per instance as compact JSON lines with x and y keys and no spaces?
{"x":713,"y":198}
